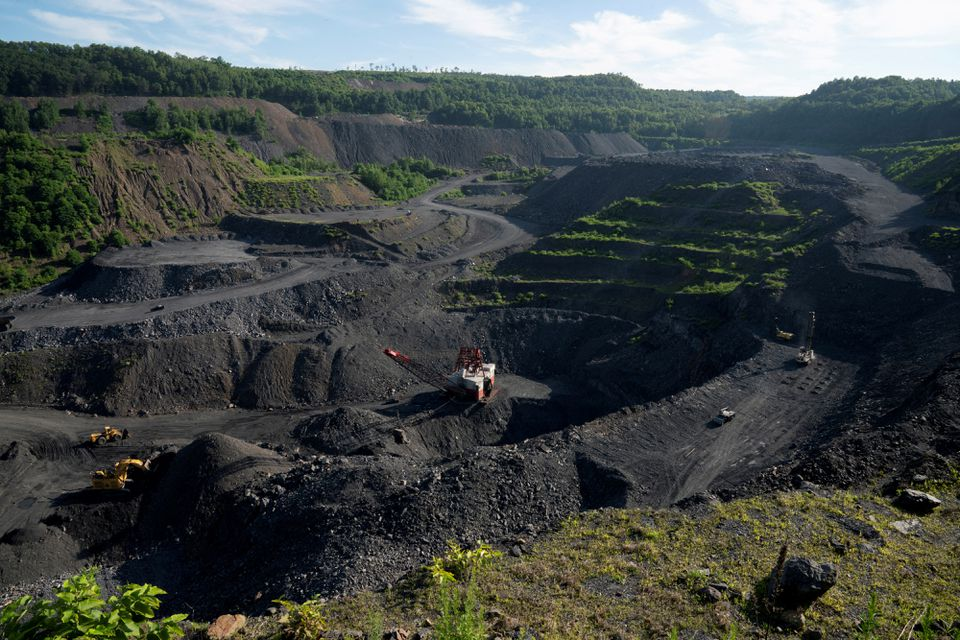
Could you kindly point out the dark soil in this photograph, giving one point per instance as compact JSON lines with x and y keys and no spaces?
{"x":361,"y":473}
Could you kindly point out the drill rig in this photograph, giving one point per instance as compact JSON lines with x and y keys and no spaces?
{"x":806,"y":356}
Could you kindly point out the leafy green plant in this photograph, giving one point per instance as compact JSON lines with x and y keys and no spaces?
{"x":304,"y":621}
{"x":455,"y":574}
{"x":78,"y":610}
{"x":870,"y":621}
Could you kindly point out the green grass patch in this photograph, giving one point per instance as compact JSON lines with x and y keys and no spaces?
{"x":929,"y":166}
{"x":942,"y":238}
{"x":635,"y":573}
{"x":453,"y":194}
{"x":577,"y":253}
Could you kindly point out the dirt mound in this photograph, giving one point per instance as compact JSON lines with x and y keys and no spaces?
{"x":333,"y":525}
{"x":174,"y":268}
{"x":189,"y":496}
{"x":36,"y":551}
{"x":341,"y":431}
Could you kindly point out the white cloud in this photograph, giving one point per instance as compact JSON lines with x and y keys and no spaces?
{"x":189,"y":26}
{"x":121,"y":9}
{"x":255,"y":7}
{"x":919,"y":23}
{"x":613,"y":41}
{"x":82,"y":29}
{"x":805,"y":35}
{"x":468,"y":18}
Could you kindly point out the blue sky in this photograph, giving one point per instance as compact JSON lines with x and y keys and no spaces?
{"x":756,"y":47}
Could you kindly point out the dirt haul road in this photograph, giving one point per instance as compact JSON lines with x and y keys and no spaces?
{"x":489,"y":233}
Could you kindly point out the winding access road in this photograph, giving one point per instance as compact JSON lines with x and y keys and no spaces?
{"x":494,"y":233}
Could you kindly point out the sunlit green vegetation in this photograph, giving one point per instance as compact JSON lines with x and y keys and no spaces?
{"x":406,"y":178}
{"x":155,"y":120}
{"x":44,"y":206}
{"x":686,"y":239}
{"x":928,"y":166}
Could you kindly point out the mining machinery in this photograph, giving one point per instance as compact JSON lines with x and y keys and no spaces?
{"x":472,"y":379}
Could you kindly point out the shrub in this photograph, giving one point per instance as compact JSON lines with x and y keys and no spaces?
{"x":303,"y":621}
{"x":73,"y":258}
{"x":45,"y":115}
{"x":78,"y":610}
{"x":117,"y":239}
{"x":455,"y":574}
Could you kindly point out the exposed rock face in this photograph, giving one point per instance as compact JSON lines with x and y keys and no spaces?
{"x":358,"y":139}
{"x":906,"y":527}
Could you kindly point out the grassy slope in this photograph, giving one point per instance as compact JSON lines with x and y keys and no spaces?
{"x":635,"y":573}
{"x":928,"y":166}
{"x":684,"y":240}
{"x":149,"y":188}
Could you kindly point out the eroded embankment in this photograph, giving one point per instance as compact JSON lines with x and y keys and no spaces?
{"x":359,"y":139}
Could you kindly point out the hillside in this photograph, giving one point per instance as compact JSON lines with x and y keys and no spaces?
{"x":849,"y":113}
{"x":724,"y":378}
{"x":161,"y":167}
{"x":603,"y":103}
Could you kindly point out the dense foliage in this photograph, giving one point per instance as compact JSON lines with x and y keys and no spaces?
{"x":43,"y":202}
{"x":299,"y":163}
{"x":929,"y":166}
{"x":405,"y":178}
{"x":78,"y":610}
{"x":13,"y":116}
{"x":154,"y":119}
{"x":586,"y":103}
{"x":859,"y":111}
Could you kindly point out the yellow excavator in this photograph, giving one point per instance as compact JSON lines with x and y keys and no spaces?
{"x":109,"y":434}
{"x":786,"y":336}
{"x":116,"y":478}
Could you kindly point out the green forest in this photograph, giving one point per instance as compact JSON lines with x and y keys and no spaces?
{"x":44,"y":205}
{"x":856,"y":112}
{"x":607,"y":102}
{"x":154,"y":119}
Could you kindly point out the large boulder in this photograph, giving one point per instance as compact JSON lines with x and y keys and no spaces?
{"x":800,"y":582}
{"x":226,"y":626}
{"x":917,"y":502}
{"x":793,"y":585}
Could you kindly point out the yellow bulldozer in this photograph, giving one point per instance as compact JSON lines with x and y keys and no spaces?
{"x":117,"y":477}
{"x":109,"y":434}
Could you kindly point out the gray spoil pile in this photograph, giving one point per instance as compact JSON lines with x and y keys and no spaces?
{"x":597,"y":183}
{"x":34,"y":552}
{"x":188,"y":497}
{"x":337,"y":524}
{"x":371,"y":139}
{"x":309,"y":306}
{"x":104,"y":281}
